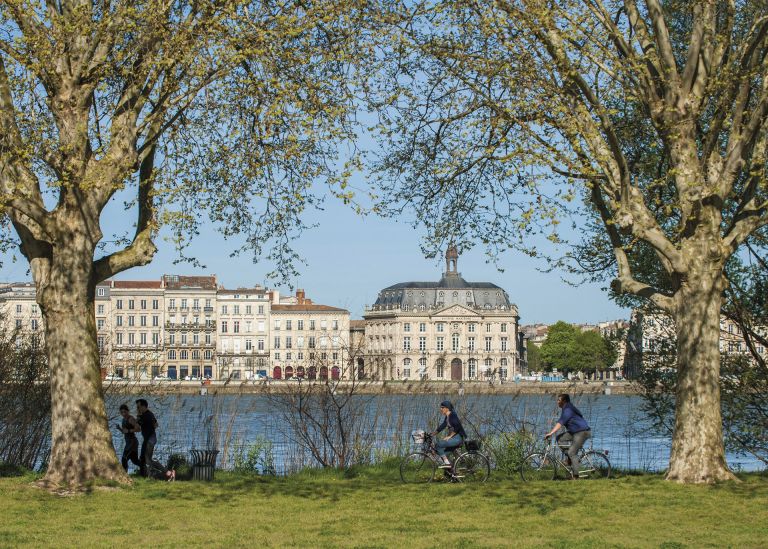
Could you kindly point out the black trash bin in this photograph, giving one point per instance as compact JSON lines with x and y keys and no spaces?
{"x":203,"y":464}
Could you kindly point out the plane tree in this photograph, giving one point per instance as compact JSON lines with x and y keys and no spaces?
{"x":504,"y":118}
{"x":176,"y":108}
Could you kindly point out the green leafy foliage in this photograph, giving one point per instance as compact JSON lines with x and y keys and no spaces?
{"x":568,"y":349}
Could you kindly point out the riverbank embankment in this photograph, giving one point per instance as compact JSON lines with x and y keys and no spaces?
{"x":383,"y":387}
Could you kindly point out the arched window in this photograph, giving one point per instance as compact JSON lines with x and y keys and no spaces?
{"x":423,"y":367}
{"x":171,"y":355}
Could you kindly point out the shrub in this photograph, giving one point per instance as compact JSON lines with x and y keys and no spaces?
{"x":257,"y":458}
{"x":509,"y":449}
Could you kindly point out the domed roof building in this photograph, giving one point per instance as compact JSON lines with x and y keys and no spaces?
{"x":449,"y":329}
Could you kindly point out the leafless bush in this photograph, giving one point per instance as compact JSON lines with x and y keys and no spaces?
{"x":25,"y":400}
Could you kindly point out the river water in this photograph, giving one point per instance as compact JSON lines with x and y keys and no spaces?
{"x":230,"y":422}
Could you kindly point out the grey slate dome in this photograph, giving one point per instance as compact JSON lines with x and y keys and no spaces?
{"x":451,"y":289}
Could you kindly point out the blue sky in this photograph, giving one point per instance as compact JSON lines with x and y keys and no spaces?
{"x":350,"y":258}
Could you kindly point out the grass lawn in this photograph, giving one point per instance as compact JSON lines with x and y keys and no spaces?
{"x":371,"y":508}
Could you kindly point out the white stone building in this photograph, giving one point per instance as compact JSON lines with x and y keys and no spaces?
{"x":446,"y":330}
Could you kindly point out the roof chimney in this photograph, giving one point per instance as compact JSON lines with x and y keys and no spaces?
{"x":300,"y":296}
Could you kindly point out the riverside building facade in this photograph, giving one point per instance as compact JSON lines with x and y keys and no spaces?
{"x":445,"y":330}
{"x":309,"y":340}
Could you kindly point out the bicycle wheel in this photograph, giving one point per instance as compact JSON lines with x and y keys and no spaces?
{"x":471,"y":467}
{"x":594,"y":465}
{"x":417,"y":468}
{"x":537,"y":467}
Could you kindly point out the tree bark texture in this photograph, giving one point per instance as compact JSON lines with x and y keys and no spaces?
{"x":81,"y":445}
{"x":698,"y":454}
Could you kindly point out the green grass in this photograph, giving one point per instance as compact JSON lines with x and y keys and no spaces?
{"x":371,"y":508}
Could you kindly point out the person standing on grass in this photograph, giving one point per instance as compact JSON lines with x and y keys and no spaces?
{"x":148,"y":424}
{"x":454,"y":434}
{"x":577,"y":431}
{"x":129,"y":427}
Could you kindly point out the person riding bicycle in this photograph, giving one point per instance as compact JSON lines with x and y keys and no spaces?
{"x":577,"y":431}
{"x":455,"y":434}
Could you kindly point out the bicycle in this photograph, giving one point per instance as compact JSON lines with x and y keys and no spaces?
{"x":470,"y":466}
{"x":547,"y":465}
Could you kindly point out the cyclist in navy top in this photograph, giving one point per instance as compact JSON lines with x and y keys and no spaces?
{"x":577,"y":431}
{"x":455,"y":434}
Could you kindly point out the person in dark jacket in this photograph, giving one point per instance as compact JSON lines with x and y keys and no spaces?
{"x":129,"y":427}
{"x":577,"y":431}
{"x":454,"y":435}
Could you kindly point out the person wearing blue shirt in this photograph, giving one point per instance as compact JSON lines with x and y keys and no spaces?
{"x":577,"y":431}
{"x":454,"y":435}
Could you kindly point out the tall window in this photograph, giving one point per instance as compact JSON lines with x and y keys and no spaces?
{"x":335,"y":324}
{"x":288,"y":342}
{"x":300,"y":325}
{"x":422,"y":343}
{"x":236,"y":309}
{"x":440,"y":343}
{"x":503,"y":327}
{"x":171,"y":355}
{"x":287,"y":324}
{"x":503,"y":343}
{"x":407,"y":367}
{"x":471,"y":328}
{"x":440,"y":327}
{"x":247,"y":309}
{"x":471,"y":343}
{"x":119,"y":303}
{"x":422,"y":327}
{"x":472,"y":368}
{"x":130,"y":303}
{"x":406,"y":343}
{"x":277,"y":342}
{"x":311,"y":324}
{"x":223,"y":326}
{"x":223,"y":309}
{"x":440,"y":372}
{"x":236,"y":326}
{"x":407,"y":327}
{"x":487,"y":343}
{"x":100,"y":309}
{"x":488,"y":327}
{"x":143,"y":303}
{"x":455,"y":343}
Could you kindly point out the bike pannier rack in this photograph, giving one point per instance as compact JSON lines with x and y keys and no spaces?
{"x":472,"y":445}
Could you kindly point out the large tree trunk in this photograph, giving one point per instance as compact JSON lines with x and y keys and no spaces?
{"x":698,"y":455}
{"x":82,"y":449}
